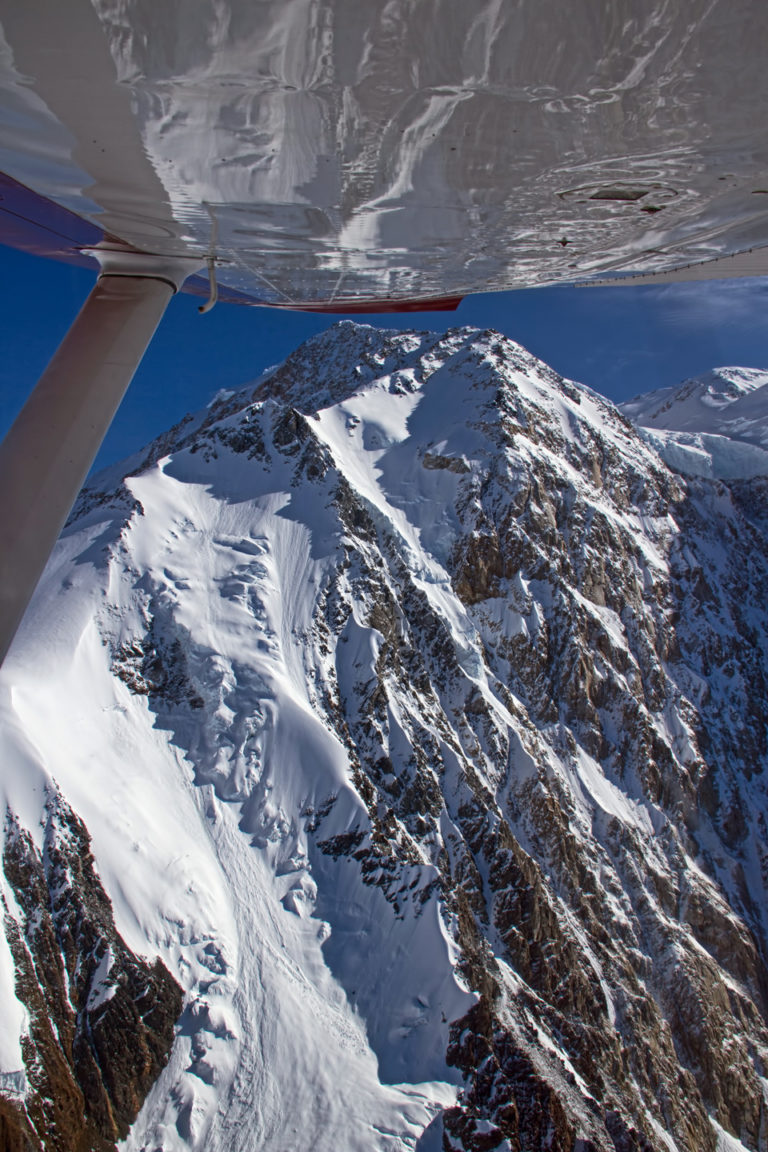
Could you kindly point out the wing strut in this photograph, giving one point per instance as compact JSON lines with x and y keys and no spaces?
{"x":50,"y":448}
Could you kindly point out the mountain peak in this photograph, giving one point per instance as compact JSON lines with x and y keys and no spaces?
{"x":697,"y":403}
{"x":331,"y":366}
{"x":714,"y":425}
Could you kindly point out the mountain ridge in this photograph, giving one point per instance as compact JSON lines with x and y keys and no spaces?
{"x":700,"y":403}
{"x":714,"y":426}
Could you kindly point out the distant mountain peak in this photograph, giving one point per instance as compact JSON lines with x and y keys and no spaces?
{"x":695,"y":404}
{"x":714,"y":425}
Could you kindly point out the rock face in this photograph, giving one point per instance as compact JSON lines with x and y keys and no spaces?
{"x":101,"y":1020}
{"x":457,"y":648}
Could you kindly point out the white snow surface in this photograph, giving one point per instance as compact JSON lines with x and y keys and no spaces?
{"x":714,"y":426}
{"x":698,"y":404}
{"x":725,"y":1141}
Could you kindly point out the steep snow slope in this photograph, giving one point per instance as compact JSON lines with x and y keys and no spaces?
{"x":416,"y":711}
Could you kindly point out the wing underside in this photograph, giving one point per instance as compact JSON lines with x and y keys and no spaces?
{"x":354,"y":154}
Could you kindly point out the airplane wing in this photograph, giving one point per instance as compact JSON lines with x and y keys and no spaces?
{"x":356,"y":153}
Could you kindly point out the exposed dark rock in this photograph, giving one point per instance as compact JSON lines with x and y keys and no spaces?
{"x":101,"y":1019}
{"x":16,"y":1133}
{"x":157,"y":666}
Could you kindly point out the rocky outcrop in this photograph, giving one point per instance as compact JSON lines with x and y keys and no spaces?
{"x":101,"y":1020}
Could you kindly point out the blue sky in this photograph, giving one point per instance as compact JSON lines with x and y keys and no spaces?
{"x":620,"y":341}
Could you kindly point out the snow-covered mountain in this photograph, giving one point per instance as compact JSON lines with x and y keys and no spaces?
{"x":715,"y":425}
{"x":416,"y":712}
{"x":701,"y":404}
